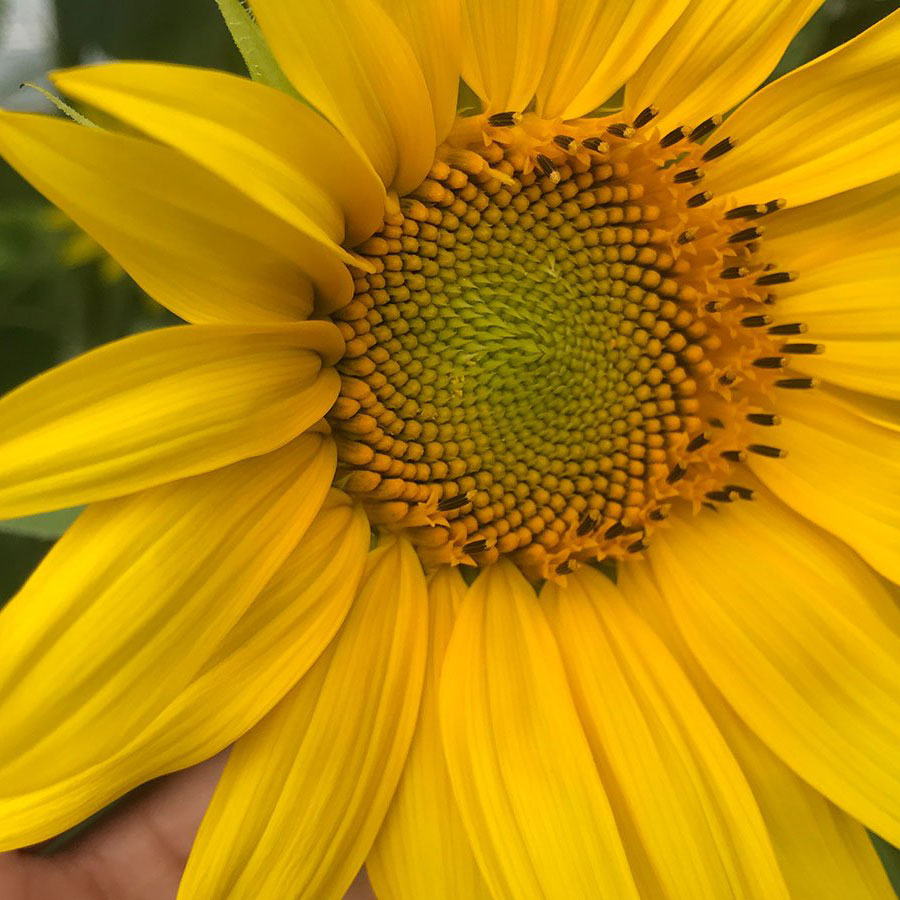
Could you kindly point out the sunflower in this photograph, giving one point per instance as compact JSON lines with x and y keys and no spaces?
{"x":445,"y":374}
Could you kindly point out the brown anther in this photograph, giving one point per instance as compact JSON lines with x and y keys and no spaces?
{"x":744,"y":493}
{"x":699,"y":199}
{"x":545,"y":164}
{"x":478,"y":546}
{"x":758,"y":321}
{"x":637,"y":546}
{"x":764,"y":418}
{"x":504,"y":119}
{"x":659,"y":514}
{"x":733,"y":455}
{"x":734,"y":272}
{"x":713,"y":306}
{"x":776,"y":278}
{"x":728,"y":378}
{"x":719,"y":149}
{"x":725,"y":496}
{"x":770,"y":362}
{"x":746,"y":234}
{"x":595,"y":144}
{"x":698,"y":441}
{"x":749,"y":211}
{"x":645,"y":116}
{"x":688,"y":176}
{"x":457,"y":502}
{"x":687,"y":236}
{"x":788,"y":328}
{"x":802,"y":349}
{"x":775,"y":205}
{"x":673,"y":137}
{"x":706,"y":127}
{"x":677,"y":473}
{"x":565,"y":568}
{"x":766,"y":450}
{"x":796,"y":384}
{"x":615,"y":530}
{"x":567,"y":143}
{"x":620,"y":129}
{"x":588,"y":523}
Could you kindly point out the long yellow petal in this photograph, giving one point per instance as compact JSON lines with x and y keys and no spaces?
{"x":305,"y":791}
{"x":270,"y":648}
{"x":596,"y":47}
{"x":824,"y":128}
{"x":126,"y":608}
{"x":434,"y":31}
{"x":521,"y":768}
{"x":258,"y":139}
{"x":350,"y":61}
{"x":714,"y":56}
{"x":785,"y":620}
{"x":822,"y":852}
{"x":691,"y":818}
{"x":843,"y":473}
{"x":505,"y":46}
{"x":195,"y":244}
{"x":160,"y":406}
{"x":422,"y":849}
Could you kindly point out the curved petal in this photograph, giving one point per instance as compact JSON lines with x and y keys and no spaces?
{"x":596,"y":47}
{"x":125,"y":609}
{"x":822,"y":852}
{"x":160,"y":406}
{"x":350,"y":61}
{"x":434,"y":31}
{"x":683,"y":806}
{"x":305,"y":791}
{"x":269,"y":649}
{"x":195,"y":244}
{"x":258,"y":139}
{"x":843,"y":473}
{"x":520,"y":765}
{"x":422,"y":849}
{"x":714,"y":56}
{"x":505,"y":46}
{"x":826,"y":127}
{"x":789,"y":632}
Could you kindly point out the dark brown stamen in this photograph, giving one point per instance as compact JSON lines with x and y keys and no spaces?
{"x":597,"y":145}
{"x":744,"y":493}
{"x":687,"y":236}
{"x":645,"y":116}
{"x":699,"y":199}
{"x":733,"y":455}
{"x":637,"y":546}
{"x":688,"y":176}
{"x":801,"y":349}
{"x":504,"y":119}
{"x":746,"y":234}
{"x":722,"y":496}
{"x":776,"y":278}
{"x":673,"y":137}
{"x":770,"y":362}
{"x":766,"y":450}
{"x":734,"y":272}
{"x":460,"y":500}
{"x":478,"y":546}
{"x":727,"y":378}
{"x":796,"y":384}
{"x":764,"y":418}
{"x":705,"y":127}
{"x":676,"y":474}
{"x":620,"y":129}
{"x":788,"y":328}
{"x":547,"y":167}
{"x":749,"y":211}
{"x":719,"y":149}
{"x":698,"y":441}
{"x":615,"y":530}
{"x":567,"y":143}
{"x":756,"y":321}
{"x":587,"y":524}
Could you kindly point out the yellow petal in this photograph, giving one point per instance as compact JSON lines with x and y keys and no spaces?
{"x":505,"y":45}
{"x":125,"y":609}
{"x":422,"y":849}
{"x":434,"y":31}
{"x":258,"y":139}
{"x":824,"y":128}
{"x":597,"y":46}
{"x":521,"y":768}
{"x":269,"y":649}
{"x":160,"y":406}
{"x":843,"y":473}
{"x":822,"y":852}
{"x":781,"y":616}
{"x":305,"y":791}
{"x":714,"y":56}
{"x":195,"y":244}
{"x":350,"y":61}
{"x":691,"y":818}
{"x":870,"y":366}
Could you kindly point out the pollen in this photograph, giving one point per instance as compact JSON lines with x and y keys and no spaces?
{"x":560,"y":335}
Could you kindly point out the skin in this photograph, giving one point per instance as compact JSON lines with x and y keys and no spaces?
{"x":136,"y":853}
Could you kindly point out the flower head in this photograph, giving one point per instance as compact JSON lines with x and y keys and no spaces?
{"x":522,"y":343}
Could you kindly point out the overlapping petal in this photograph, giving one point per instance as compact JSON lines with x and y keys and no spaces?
{"x":422,"y":849}
{"x":826,"y":127}
{"x":160,"y":406}
{"x":596,"y":47}
{"x":785,"y":621}
{"x":521,"y":768}
{"x":822,"y":852}
{"x":714,"y":56}
{"x":843,"y":473}
{"x":123,"y":612}
{"x":686,"y":814}
{"x":434,"y":31}
{"x":261,"y":141}
{"x":505,"y":46}
{"x":305,"y":791}
{"x":194,"y":243}
{"x":348,"y":58}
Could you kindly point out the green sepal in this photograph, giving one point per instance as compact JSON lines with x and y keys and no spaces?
{"x":47,"y":526}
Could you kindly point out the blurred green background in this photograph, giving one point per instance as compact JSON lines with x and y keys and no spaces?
{"x":58,"y":295}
